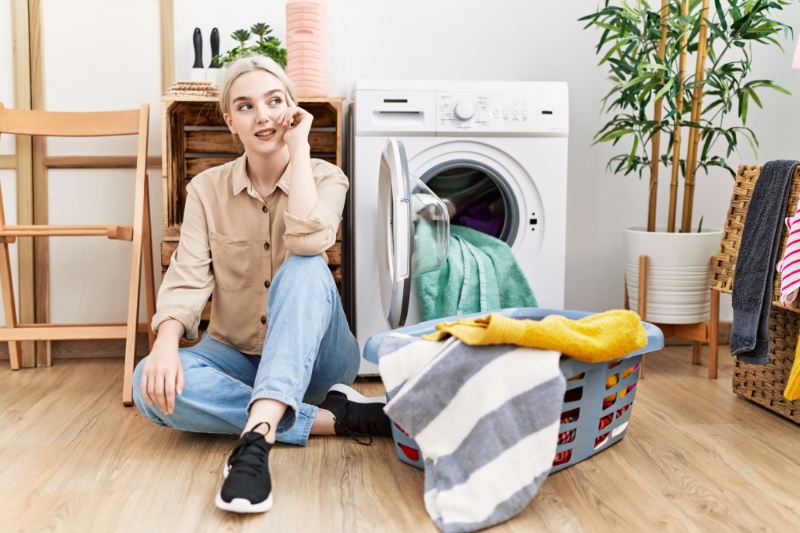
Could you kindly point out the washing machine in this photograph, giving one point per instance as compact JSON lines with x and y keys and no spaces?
{"x":456,"y":151}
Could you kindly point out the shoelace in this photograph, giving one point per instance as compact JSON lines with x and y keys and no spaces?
{"x":347,"y":421}
{"x":245,"y":458}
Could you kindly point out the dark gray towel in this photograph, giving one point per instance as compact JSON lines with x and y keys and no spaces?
{"x":755,"y":266}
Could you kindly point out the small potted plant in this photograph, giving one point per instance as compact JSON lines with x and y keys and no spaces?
{"x":645,"y":50}
{"x":265,"y":45}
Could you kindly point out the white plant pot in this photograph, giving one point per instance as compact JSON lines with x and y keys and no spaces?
{"x":678,"y":274}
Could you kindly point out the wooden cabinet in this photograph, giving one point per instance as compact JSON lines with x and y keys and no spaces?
{"x":195,"y":138}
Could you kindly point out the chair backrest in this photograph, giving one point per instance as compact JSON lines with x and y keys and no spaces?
{"x":82,"y":124}
{"x":72,"y":124}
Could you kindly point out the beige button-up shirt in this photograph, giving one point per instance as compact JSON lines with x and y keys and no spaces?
{"x":232,"y":244}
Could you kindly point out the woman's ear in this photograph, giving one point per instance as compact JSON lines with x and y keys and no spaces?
{"x":229,"y":122}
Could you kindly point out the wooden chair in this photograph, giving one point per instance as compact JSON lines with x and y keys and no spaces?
{"x":89,"y":124}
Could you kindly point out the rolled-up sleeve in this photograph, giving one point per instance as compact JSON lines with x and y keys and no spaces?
{"x":316,"y":233}
{"x":189,"y":280}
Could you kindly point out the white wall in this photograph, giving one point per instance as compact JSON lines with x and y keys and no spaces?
{"x":91,"y":65}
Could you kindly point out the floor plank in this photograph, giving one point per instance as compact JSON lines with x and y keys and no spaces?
{"x":695,"y":458}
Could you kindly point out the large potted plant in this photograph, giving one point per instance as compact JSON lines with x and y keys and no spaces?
{"x":646,"y":49}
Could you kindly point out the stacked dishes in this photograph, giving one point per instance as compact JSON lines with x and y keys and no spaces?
{"x":305,"y":47}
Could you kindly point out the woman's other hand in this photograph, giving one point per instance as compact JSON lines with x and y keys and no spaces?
{"x":162,"y":375}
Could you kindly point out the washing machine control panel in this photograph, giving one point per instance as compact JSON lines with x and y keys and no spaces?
{"x":506,"y":113}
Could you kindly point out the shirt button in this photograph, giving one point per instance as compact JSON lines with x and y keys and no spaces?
{"x":266,"y":246}
{"x":264,"y":208}
{"x":263,"y":320}
{"x":266,"y":284}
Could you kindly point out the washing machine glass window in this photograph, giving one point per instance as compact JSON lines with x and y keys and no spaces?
{"x":476,"y":196}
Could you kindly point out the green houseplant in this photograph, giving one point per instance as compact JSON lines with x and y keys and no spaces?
{"x":645,"y":50}
{"x":655,"y":94}
{"x":264,"y":45}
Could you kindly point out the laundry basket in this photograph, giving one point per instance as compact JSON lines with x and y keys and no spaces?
{"x":597,"y":403}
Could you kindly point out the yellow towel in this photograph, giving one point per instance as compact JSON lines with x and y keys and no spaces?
{"x":598,"y":337}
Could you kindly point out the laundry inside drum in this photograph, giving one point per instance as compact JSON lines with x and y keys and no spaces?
{"x":473,"y":199}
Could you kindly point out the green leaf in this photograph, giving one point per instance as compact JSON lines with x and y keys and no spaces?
{"x":778,"y":88}
{"x":715,"y":29}
{"x":634,"y":81}
{"x":743,"y":95}
{"x":614,"y":135}
{"x":661,"y":92}
{"x":754,"y":96}
{"x":721,"y":15}
{"x":633,"y":153}
{"x":655,"y":66}
{"x":612,"y":51}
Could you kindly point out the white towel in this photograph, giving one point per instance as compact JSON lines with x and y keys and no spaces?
{"x":789,"y":265}
{"x":486,"y":419}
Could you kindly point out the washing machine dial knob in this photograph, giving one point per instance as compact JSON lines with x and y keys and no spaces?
{"x":464,"y":110}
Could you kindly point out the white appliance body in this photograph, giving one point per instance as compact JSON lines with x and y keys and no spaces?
{"x":513,"y":133}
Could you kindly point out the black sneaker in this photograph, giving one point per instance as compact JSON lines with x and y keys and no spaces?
{"x":357,"y":416}
{"x":247,"y":487}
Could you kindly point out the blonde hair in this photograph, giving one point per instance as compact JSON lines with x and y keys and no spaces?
{"x":247,"y":64}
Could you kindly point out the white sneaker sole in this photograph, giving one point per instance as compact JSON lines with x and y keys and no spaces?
{"x":240,"y":505}
{"x":354,"y":396}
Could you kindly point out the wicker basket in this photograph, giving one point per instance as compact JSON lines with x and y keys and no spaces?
{"x":762,"y":384}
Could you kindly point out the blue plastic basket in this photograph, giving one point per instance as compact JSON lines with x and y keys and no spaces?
{"x":597,"y":403}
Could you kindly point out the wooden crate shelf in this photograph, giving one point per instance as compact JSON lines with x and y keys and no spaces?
{"x":195,"y":138}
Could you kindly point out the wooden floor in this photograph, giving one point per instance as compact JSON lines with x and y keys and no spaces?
{"x":695,"y":458}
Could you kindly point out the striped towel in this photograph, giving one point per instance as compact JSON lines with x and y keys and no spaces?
{"x":486,"y":419}
{"x":789,"y":265}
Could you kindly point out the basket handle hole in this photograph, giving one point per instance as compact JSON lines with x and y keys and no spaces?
{"x":566,"y":437}
{"x":609,"y":400}
{"x":601,"y":440}
{"x":562,"y":457}
{"x":570,"y":416}
{"x":573,"y":395}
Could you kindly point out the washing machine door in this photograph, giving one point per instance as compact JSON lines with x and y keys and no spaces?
{"x":395,"y":235}
{"x":414,"y":231}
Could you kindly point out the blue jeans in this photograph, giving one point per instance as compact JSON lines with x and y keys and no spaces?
{"x":308,"y":348}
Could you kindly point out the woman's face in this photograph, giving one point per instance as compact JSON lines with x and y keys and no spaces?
{"x":256,"y":99}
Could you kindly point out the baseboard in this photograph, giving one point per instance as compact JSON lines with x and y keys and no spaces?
{"x":723,"y":336}
{"x":89,"y":348}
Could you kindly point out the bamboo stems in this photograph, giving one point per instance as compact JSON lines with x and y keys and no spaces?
{"x":654,"y":157}
{"x":694,"y":133}
{"x":676,"y":135}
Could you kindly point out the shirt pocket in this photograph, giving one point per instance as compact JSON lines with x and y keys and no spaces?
{"x":230,"y":259}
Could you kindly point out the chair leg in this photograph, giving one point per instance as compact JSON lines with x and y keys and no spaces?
{"x":133,"y":291}
{"x":713,"y":333}
{"x":149,"y":275}
{"x":642,"y":300}
{"x":626,"y":304}
{"x":8,"y":304}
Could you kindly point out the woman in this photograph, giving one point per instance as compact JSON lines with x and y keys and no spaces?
{"x":254,"y":234}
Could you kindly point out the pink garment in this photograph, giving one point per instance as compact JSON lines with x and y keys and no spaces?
{"x":789,"y":265}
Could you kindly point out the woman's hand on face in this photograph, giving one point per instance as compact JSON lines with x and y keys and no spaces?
{"x":297,"y":122}
{"x":162,"y":377}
